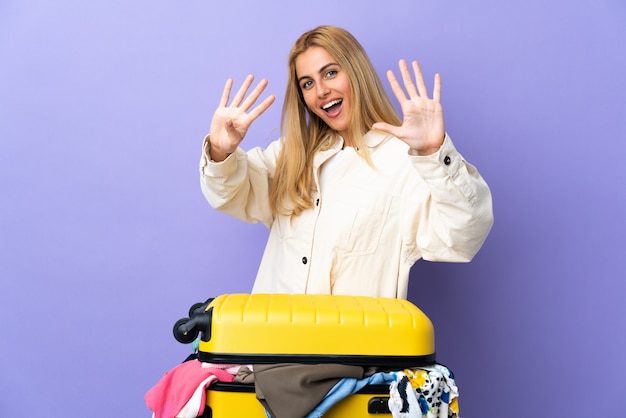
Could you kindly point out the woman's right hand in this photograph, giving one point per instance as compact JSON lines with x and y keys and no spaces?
{"x":231,"y":122}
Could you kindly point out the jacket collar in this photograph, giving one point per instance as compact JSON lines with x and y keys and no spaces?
{"x":373,"y":140}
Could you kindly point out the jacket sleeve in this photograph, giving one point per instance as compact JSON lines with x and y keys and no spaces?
{"x":454,"y":221}
{"x":239,"y":185}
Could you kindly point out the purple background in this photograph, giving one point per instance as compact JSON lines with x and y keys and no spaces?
{"x":106,"y":240}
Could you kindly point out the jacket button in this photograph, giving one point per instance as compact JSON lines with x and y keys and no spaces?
{"x":304,"y":260}
{"x":446,"y":160}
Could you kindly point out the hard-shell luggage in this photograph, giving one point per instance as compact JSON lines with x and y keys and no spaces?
{"x":230,"y":400}
{"x":386,"y":333}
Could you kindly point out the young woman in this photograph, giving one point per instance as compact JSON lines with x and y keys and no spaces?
{"x":353,"y":195}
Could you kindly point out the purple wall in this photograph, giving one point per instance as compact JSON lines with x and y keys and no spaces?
{"x":105,"y":239}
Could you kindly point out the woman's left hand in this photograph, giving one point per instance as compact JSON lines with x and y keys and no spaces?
{"x":422,"y":126}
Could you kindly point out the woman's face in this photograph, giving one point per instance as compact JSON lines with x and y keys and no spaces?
{"x":325,"y":88}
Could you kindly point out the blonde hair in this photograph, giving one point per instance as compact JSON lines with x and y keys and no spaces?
{"x":304,"y":133}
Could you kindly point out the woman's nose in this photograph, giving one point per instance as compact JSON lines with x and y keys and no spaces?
{"x":322,"y":89}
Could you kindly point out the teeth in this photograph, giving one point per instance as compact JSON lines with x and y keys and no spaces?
{"x":329,"y":104}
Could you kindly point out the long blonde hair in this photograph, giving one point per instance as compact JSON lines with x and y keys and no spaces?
{"x":304,"y":133}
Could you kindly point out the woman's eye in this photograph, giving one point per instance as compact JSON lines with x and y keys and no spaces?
{"x":331,"y":73}
{"x":307,"y":84}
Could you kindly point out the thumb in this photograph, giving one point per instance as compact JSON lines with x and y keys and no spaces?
{"x":232,"y":131}
{"x":230,"y":126}
{"x":385,"y":127}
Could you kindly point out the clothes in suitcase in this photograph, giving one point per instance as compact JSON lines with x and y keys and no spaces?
{"x":427,"y":392}
{"x":370,"y":401}
{"x":387,"y":334}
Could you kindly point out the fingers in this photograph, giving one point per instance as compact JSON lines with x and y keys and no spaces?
{"x":226,"y":92}
{"x":408,"y":81}
{"x":437,"y":88}
{"x":241,"y":93}
{"x":254,"y":95}
{"x":238,"y":99}
{"x":419,"y":79}
{"x":395,"y":87}
{"x":415,"y":88}
{"x":261,"y":107}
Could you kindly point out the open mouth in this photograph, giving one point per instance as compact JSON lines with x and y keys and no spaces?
{"x":332,"y":107}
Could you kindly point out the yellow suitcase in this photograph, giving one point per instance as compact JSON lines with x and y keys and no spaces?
{"x":230,"y":400}
{"x":282,"y":328}
{"x":392,"y":334}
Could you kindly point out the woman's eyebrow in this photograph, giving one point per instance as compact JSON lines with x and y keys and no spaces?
{"x":321,"y":70}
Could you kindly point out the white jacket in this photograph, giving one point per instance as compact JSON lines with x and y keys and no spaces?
{"x":368,"y":226}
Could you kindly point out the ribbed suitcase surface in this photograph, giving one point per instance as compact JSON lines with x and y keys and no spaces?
{"x":279,"y":328}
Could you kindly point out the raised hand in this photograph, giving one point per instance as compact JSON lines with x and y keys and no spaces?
{"x":231,"y":122}
{"x":422,"y":126}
